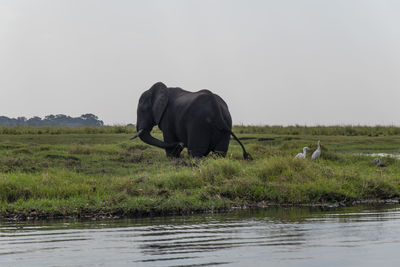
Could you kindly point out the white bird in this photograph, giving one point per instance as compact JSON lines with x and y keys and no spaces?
{"x":317,"y":153}
{"x":302,"y":155}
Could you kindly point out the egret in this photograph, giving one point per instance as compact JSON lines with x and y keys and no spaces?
{"x":302,"y":155}
{"x":317,"y":153}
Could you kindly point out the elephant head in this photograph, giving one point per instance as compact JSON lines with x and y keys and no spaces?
{"x":152,"y":104}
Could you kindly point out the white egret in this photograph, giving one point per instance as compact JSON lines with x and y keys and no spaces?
{"x":302,"y":155}
{"x":317,"y":153}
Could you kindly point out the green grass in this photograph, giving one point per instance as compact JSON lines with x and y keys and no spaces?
{"x":96,"y":171}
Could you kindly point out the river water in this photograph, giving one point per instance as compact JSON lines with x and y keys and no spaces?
{"x":351,"y":236}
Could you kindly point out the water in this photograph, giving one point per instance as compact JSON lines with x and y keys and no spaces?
{"x":352,"y":236}
{"x":390,"y":155}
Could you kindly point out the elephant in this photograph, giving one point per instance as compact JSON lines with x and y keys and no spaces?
{"x":199,"y":121}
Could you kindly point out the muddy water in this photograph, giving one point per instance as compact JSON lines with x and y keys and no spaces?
{"x":353,"y":236}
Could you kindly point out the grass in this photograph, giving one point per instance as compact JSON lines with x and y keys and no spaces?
{"x":96,"y":171}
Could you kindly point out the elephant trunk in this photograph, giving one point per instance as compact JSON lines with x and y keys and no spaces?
{"x":146,"y":137}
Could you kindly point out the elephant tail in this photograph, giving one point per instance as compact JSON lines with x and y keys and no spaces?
{"x":246,"y":155}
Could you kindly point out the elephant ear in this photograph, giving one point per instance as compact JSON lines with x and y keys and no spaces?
{"x":160,"y":101}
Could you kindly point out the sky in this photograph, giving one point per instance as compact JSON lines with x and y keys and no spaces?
{"x":286,"y":62}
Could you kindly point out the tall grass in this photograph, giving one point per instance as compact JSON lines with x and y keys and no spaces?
{"x":348,"y":130}
{"x":103,"y":173}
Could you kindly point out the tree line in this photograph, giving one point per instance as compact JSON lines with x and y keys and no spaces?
{"x":53,"y":120}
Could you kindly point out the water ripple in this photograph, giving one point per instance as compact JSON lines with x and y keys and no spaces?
{"x":280,"y":236}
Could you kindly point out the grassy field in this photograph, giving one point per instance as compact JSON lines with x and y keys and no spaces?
{"x":48,"y":172}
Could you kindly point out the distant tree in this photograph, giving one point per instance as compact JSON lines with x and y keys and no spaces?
{"x":63,"y":120}
{"x":91,"y":119}
{"x":5,"y":121}
{"x":89,"y":116}
{"x":21,"y":121}
{"x":50,"y":117}
{"x":53,"y":120}
{"x":35,"y":121}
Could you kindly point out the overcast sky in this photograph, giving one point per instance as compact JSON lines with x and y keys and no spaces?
{"x":274,"y":62}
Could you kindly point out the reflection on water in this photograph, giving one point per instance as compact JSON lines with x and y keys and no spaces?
{"x":352,"y":236}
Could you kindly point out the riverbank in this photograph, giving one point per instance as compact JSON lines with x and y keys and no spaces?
{"x":98,"y":172}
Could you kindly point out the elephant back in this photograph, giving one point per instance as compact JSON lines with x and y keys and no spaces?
{"x":220,"y":116}
{"x":224,"y":120}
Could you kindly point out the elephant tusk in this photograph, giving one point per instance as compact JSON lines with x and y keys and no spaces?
{"x":137,"y":134}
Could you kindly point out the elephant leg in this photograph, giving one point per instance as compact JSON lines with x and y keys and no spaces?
{"x":199,"y":142}
{"x":173,"y":152}
{"x":222,"y":143}
{"x":199,"y":152}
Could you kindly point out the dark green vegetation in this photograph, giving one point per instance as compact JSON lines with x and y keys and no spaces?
{"x":53,"y":120}
{"x":96,"y":171}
